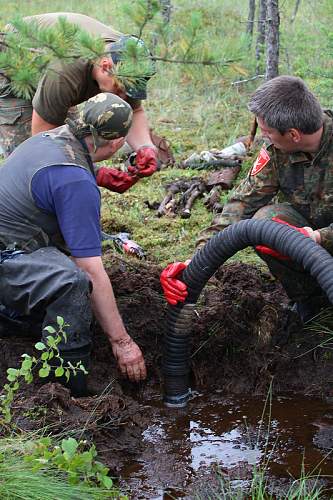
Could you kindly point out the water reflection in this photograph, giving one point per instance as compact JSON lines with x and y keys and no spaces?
{"x":208,"y":448}
{"x":182,"y":446}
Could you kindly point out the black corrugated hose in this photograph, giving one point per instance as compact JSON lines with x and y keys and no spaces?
{"x":301,"y":249}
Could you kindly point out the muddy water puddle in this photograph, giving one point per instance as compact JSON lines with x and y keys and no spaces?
{"x":185,"y":448}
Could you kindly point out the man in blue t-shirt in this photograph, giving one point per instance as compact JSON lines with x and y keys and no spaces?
{"x":50,"y":235}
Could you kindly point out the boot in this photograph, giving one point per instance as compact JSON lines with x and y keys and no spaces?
{"x":77,"y":384}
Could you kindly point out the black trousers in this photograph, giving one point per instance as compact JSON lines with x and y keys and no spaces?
{"x":47,"y":283}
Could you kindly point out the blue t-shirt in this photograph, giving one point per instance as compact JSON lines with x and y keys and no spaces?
{"x":72,"y":195}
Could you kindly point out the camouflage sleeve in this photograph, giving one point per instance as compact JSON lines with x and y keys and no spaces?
{"x":326,"y":235}
{"x":254,"y":192}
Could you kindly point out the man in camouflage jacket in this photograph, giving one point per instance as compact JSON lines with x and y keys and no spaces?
{"x":296,"y":165}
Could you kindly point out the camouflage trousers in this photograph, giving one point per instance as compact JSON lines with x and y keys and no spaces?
{"x":15,"y":123}
{"x":298,"y":284}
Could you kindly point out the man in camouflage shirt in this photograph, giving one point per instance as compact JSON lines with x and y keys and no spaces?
{"x":297,"y":166}
{"x":50,"y":235}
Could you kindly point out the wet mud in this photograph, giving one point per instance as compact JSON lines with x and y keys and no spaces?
{"x":247,"y":346}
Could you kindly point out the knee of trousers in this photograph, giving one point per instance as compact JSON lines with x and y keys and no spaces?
{"x":283,"y":211}
{"x":72,"y":303}
{"x":69,"y":284}
{"x":80,"y":281}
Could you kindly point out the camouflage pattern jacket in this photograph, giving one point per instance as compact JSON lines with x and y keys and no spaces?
{"x":303,"y":180}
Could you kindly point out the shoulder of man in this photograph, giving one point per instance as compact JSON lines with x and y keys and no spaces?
{"x":75,"y":66}
{"x":264,"y":157}
{"x":328,"y":112}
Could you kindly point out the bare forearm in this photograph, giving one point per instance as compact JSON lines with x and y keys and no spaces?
{"x":104,"y":303}
{"x":127,"y":353}
{"x":106,"y":309}
{"x":139,"y":133}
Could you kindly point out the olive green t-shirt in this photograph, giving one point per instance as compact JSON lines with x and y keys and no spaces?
{"x":64,"y":86}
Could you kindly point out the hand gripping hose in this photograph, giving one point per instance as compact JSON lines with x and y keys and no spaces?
{"x":176,"y":349}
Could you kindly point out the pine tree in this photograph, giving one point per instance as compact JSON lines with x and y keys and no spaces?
{"x":26,"y":50}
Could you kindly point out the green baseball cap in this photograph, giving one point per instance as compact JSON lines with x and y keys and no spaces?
{"x":134,"y":65}
{"x":104,"y":116}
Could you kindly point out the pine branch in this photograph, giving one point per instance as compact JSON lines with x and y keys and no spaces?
{"x":31,"y":50}
{"x":222,"y":62}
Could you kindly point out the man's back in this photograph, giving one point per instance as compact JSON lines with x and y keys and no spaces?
{"x":89,"y":24}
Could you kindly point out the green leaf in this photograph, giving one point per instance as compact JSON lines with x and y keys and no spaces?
{"x":12,"y":371}
{"x":59,"y":371}
{"x":44,"y":356}
{"x":69,"y":446}
{"x":27,"y":364}
{"x":60,"y":321}
{"x":50,"y":329}
{"x":12,"y":374}
{"x":106,"y":481}
{"x":16,"y":385}
{"x":51,"y":341}
{"x":40,"y":346}
{"x":44,"y":371}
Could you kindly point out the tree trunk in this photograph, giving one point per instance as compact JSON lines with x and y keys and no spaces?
{"x":250,"y":20}
{"x":166,"y":8}
{"x":272,"y":39}
{"x":295,"y":11}
{"x":260,"y":43}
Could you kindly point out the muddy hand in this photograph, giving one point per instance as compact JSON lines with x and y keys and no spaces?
{"x":130,"y":359}
{"x":146,"y":160}
{"x":114,"y":179}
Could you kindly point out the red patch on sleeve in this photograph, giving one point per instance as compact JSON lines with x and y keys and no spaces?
{"x":260,"y":162}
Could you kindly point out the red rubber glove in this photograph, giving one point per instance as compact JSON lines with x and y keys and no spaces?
{"x":174,"y":289}
{"x":146,"y":161}
{"x":274,"y":253}
{"x":115,"y":180}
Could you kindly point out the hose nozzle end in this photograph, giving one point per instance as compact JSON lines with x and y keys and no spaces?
{"x":177,"y":401}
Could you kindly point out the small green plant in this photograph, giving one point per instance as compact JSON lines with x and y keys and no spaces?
{"x":49,"y":351}
{"x":79,"y":463}
{"x":37,"y":468}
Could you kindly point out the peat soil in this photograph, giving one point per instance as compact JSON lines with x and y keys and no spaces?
{"x":246,"y":339}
